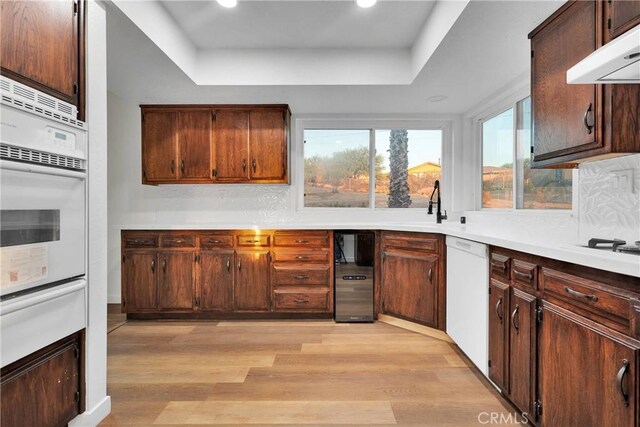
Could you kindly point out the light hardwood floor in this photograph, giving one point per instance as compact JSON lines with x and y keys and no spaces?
{"x":290,"y":372}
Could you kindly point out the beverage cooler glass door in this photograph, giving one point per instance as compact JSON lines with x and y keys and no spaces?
{"x":42,"y":231}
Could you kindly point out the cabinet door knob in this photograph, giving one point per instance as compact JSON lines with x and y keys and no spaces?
{"x":173,"y":166}
{"x":164,"y":265}
{"x":619,"y":382}
{"x":514,"y":316}
{"x":153,"y":265}
{"x":228,"y":264}
{"x":182,"y":167}
{"x":498,"y":311}
{"x":244,"y":165}
{"x":254,"y":164}
{"x":430,"y":275}
{"x":239,"y":265}
{"x":588,"y":119}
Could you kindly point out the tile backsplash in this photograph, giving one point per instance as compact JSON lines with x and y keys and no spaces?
{"x":604,"y":211}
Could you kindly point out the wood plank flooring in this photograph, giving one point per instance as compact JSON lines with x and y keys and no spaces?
{"x":290,"y":373}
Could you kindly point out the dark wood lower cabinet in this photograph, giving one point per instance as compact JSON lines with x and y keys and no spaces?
{"x":587,"y":373}
{"x":44,"y":388}
{"x":139,"y":290}
{"x":522,"y":344}
{"x":251,"y":291}
{"x":175,"y":285}
{"x":216,"y":280}
{"x":498,"y":333}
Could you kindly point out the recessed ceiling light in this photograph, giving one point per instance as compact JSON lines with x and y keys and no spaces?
{"x":228,"y":3}
{"x":366,"y":3}
{"x":437,"y":98}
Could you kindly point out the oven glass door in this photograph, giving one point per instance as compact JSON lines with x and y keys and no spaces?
{"x":42,"y":225}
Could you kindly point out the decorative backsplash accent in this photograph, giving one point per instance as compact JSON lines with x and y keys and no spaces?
{"x":604,"y":212}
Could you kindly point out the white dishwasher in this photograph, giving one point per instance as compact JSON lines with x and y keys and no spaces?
{"x":468,"y":298}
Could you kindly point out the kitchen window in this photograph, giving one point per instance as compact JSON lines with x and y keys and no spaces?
{"x":371,"y":168}
{"x":507,"y":178}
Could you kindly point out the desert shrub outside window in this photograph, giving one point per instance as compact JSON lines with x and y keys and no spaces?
{"x":371,"y":168}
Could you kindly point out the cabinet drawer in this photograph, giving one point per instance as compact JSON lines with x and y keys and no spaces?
{"x":585,"y":294}
{"x":500,"y":266}
{"x":419,"y":241}
{"x":301,"y":300}
{"x":177,"y":241}
{"x":524,"y":274}
{"x":140,"y":241}
{"x":303,"y":239}
{"x":317,"y":256}
{"x":253,"y":240}
{"x":300,"y":276}
{"x":216,"y":241}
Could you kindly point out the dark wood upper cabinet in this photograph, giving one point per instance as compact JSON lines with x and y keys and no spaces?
{"x":251,"y":290}
{"x":498,"y":333}
{"x":44,"y":388}
{"x":42,"y":44}
{"x":175,"y":283}
{"x":231,"y":158}
{"x":139,"y":290}
{"x":216,"y":280}
{"x":587,"y":373}
{"x":194,"y":144}
{"x":578,"y":122}
{"x":623,"y":15}
{"x":268,"y":145}
{"x":159,"y":146}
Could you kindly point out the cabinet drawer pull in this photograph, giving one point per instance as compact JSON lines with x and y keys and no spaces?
{"x":573,"y":293}
{"x":153,"y":265}
{"x":302,"y":241}
{"x":300,"y":276}
{"x":585,"y":119}
{"x":252,"y":241}
{"x":619,"y":382}
{"x":228,"y":264}
{"x":515,"y":316}
{"x":524,"y":276}
{"x":301,"y":257}
{"x":498,"y":311}
{"x":214,"y":241}
{"x":176,"y":241}
{"x":301,"y":301}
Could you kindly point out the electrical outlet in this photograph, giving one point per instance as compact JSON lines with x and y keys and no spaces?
{"x":621,"y":182}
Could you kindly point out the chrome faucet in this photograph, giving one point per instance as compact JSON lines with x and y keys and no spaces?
{"x":439,"y":216}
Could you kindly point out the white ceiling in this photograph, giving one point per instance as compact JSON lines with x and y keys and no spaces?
{"x":300,"y":24}
{"x":484,"y":51}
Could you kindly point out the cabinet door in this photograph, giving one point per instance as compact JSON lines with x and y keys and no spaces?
{"x":43,"y":389}
{"x":522,"y":337}
{"x":268,"y":145}
{"x":587,"y":373}
{"x":159,"y":146}
{"x":624,"y":15}
{"x":139,"y":291}
{"x":408,"y":285}
{"x":498,"y":333}
{"x":231,"y":152}
{"x":251,"y":289}
{"x":216,"y":280}
{"x":564,"y":116}
{"x":39,"y":43}
{"x":194,"y":145}
{"x":176,"y":280}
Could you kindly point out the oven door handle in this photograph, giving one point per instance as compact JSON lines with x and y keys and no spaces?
{"x":28,"y":300}
{"x":44,"y":170}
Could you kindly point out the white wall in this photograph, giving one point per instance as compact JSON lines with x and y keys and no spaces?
{"x":131,"y":204}
{"x":98,"y":404}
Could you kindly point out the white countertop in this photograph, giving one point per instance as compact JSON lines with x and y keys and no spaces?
{"x":533,"y":240}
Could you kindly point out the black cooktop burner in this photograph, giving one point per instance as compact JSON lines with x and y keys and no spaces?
{"x":616,"y":245}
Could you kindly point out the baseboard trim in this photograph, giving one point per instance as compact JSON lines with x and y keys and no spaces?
{"x":415,"y":327}
{"x":93,"y":417}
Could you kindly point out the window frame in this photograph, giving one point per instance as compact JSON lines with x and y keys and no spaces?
{"x":372,"y":124}
{"x":518,"y":186}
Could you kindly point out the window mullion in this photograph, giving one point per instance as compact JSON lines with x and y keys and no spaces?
{"x":372,"y":168}
{"x":516,"y":170}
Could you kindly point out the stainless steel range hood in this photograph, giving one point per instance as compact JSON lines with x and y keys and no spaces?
{"x":616,"y":62}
